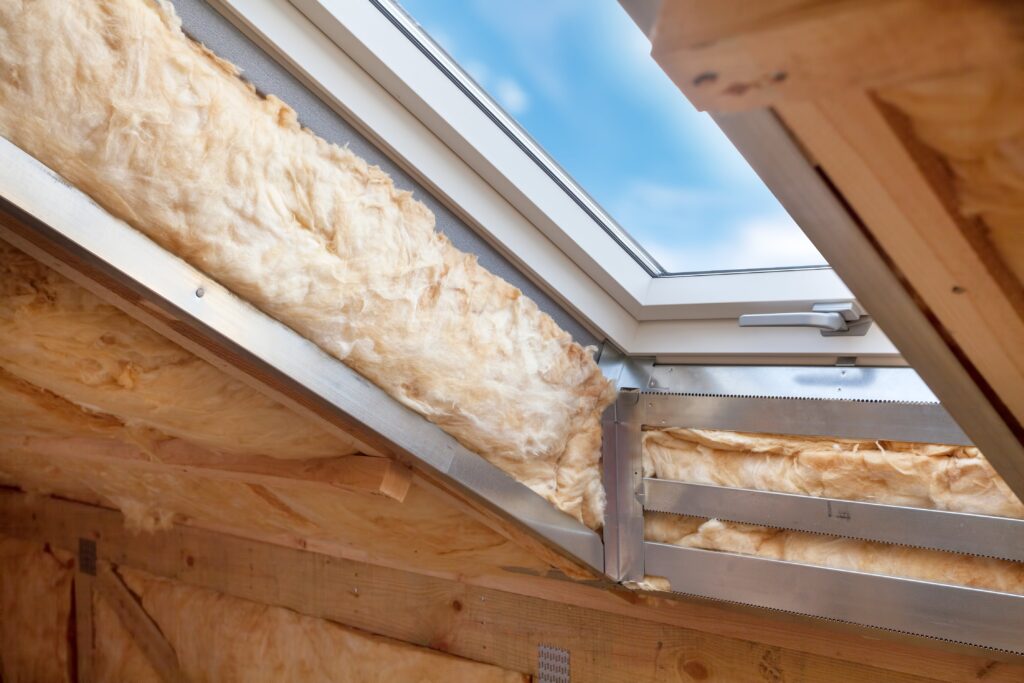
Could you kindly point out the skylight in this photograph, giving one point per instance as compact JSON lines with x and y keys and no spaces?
{"x":577,"y":75}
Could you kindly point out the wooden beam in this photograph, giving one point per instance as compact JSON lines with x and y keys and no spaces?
{"x":736,"y":55}
{"x":610,"y":638}
{"x":84,"y":636}
{"x":904,"y":209}
{"x":143,"y":629}
{"x":356,"y":473}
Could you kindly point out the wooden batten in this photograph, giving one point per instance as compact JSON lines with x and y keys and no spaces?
{"x":146,"y":634}
{"x":354,"y":473}
{"x":502,"y":620}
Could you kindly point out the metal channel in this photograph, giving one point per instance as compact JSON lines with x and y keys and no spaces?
{"x":898,"y":385}
{"x":956,"y":613}
{"x":922,"y":422}
{"x":953,"y":531}
{"x":60,"y":218}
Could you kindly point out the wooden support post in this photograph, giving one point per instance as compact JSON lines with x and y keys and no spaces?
{"x":83,"y":585}
{"x":143,"y":629}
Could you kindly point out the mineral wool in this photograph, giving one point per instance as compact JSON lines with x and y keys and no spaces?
{"x":831,"y":551}
{"x":58,"y":337}
{"x":113,"y":96}
{"x":217,"y":637}
{"x":35,"y":609}
{"x":952,"y":478}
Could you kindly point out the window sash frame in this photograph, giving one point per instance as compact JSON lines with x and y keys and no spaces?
{"x":365,"y":66}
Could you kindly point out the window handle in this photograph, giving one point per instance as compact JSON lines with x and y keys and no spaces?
{"x":834,"y":320}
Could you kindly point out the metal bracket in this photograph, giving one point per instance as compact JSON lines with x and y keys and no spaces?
{"x":87,"y":556}
{"x":552,"y":664}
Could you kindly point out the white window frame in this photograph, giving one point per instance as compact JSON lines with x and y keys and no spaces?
{"x":360,"y":60}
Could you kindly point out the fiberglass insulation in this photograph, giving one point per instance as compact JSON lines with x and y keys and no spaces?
{"x":920,"y":475}
{"x":217,"y":637}
{"x":954,"y":478}
{"x":831,"y":551}
{"x":35,"y":609}
{"x":113,"y":96}
{"x":61,"y":338}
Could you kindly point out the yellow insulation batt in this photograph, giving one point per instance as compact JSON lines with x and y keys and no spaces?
{"x":59,"y":337}
{"x":48,"y":445}
{"x":976,"y":122}
{"x":838,"y":553}
{"x":952,"y":478}
{"x":221,"y":638}
{"x":113,"y":96}
{"x":35,"y":610}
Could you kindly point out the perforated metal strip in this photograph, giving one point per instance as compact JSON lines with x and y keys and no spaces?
{"x":552,"y":664}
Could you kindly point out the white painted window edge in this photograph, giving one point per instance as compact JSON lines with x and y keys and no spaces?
{"x":420,"y":118}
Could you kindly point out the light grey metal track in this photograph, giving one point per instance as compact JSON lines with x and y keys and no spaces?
{"x":894,"y":384}
{"x":965,"y":615}
{"x":952,"y":531}
{"x":923,"y":422}
{"x":135,"y":273}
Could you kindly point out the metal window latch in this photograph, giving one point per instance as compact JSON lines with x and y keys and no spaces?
{"x":834,"y":320}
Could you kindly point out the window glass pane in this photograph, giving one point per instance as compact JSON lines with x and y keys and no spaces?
{"x":578,"y":77}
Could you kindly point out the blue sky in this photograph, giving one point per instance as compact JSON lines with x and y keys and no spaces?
{"x":578,"y":76}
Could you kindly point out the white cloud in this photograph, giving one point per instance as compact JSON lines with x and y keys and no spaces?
{"x":511,"y":96}
{"x":768,"y":242}
{"x":708,"y":228}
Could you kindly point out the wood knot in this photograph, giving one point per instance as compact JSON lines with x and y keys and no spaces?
{"x":695,"y":669}
{"x":456,"y":605}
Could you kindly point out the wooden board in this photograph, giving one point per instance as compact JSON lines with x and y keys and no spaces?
{"x":611,"y":636}
{"x":736,"y":55}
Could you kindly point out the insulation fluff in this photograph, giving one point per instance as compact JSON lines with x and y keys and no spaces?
{"x":920,"y":475}
{"x":61,"y":338}
{"x":113,"y":96}
{"x":35,"y":609}
{"x":952,"y":478}
{"x":221,"y":638}
{"x":835,"y":552}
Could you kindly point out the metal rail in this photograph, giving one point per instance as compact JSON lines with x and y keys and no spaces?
{"x":953,"y":531}
{"x":957,"y":613}
{"x":868,"y":403}
{"x":123,"y":266}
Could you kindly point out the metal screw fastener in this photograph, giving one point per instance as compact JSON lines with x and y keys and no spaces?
{"x":200,"y":292}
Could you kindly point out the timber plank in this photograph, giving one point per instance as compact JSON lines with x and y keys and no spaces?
{"x":735,"y":55}
{"x":610,"y":638}
{"x":356,"y":473}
